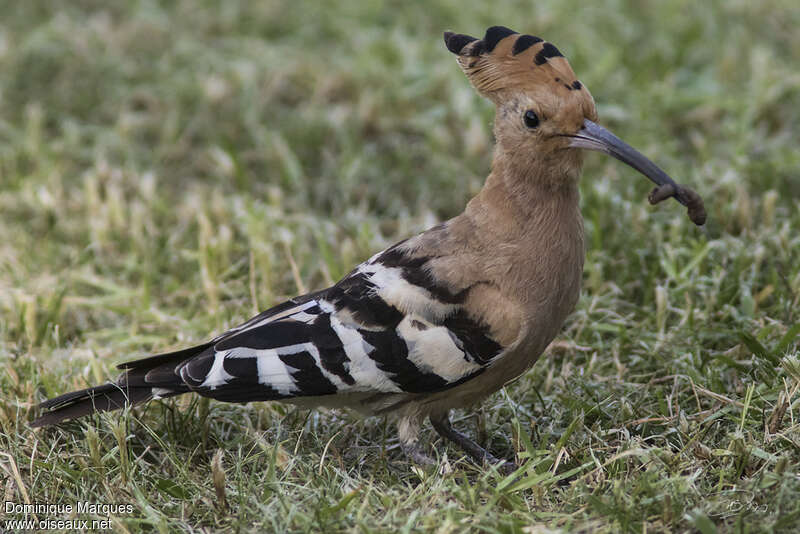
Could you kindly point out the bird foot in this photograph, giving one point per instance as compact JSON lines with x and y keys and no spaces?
{"x":416,"y":455}
{"x":443,"y":427}
{"x":505,"y":467}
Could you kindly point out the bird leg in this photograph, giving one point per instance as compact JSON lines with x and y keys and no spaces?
{"x":441,"y":423}
{"x":408,"y":432}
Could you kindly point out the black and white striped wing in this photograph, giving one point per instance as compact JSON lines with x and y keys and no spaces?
{"x":384,"y":328}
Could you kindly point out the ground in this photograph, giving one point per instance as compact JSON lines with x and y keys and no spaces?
{"x":168,"y":169}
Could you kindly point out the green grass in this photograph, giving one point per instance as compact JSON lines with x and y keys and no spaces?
{"x":164,"y":166}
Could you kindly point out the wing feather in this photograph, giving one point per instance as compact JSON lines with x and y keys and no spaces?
{"x":387,"y":327}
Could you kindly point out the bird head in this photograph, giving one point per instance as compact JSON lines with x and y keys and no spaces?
{"x":544,"y":114}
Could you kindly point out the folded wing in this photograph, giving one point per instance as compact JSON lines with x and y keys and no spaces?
{"x":387,"y":327}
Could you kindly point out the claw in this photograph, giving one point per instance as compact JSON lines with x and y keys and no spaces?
{"x":416,"y":455}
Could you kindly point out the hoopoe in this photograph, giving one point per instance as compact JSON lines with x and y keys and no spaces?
{"x":442,"y":319}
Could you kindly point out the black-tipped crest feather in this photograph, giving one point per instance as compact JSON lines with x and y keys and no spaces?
{"x":456,"y":42}
{"x":523,"y":43}
{"x":494,"y":35}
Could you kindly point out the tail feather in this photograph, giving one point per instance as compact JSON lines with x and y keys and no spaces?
{"x":95,"y":399}
{"x":168,"y":357}
{"x":141,"y":381}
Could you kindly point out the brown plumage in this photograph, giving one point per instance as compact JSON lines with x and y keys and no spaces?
{"x":447,"y":317}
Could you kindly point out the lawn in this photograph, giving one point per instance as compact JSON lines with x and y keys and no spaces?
{"x":169,"y":169}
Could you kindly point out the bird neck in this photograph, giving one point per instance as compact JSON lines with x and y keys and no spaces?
{"x":530,"y":193}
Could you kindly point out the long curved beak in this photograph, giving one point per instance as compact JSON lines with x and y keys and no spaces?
{"x":594,"y":137}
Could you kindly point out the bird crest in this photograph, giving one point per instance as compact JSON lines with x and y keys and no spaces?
{"x":505,"y":61}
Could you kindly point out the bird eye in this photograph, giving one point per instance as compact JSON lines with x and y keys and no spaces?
{"x":531,"y":119}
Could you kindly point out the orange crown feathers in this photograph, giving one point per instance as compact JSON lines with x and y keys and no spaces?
{"x":504,"y":61}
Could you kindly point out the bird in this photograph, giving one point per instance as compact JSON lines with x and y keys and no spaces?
{"x":442,"y":319}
